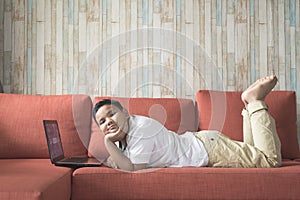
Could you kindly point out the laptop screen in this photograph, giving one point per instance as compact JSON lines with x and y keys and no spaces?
{"x":53,"y":139}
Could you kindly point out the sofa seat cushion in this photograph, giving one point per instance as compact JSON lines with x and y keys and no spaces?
{"x":188,"y":183}
{"x":222,"y":111}
{"x":178,"y":115}
{"x":33,"y":179}
{"x":21,"y":124}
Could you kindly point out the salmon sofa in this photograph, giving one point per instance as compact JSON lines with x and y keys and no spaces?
{"x":27,"y":173}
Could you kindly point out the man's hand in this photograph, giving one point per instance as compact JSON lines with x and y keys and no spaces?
{"x":111,"y":163}
{"x":117,"y":159}
{"x":116,"y":136}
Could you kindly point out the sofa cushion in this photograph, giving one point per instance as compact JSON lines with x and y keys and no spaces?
{"x":222,"y":111}
{"x":21,"y":124}
{"x":175,"y":114}
{"x":33,"y":179}
{"x":188,"y":183}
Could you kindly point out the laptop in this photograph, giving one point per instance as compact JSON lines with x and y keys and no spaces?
{"x":56,"y":150}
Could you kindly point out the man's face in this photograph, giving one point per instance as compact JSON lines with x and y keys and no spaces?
{"x":110,"y":119}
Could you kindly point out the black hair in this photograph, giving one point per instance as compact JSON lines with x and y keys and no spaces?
{"x":105,"y":102}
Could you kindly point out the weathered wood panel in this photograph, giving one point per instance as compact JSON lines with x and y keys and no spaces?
{"x":151,"y":48}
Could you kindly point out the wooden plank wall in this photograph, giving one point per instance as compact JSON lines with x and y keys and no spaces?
{"x":149,"y":48}
{"x":47,"y":46}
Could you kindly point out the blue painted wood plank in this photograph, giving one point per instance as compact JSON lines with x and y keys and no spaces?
{"x":219,"y":12}
{"x":178,"y":7}
{"x":292,"y":13}
{"x":252,"y":8}
{"x":145,"y":12}
{"x":220,"y":79}
{"x":29,"y":6}
{"x":70,"y":12}
{"x":29,"y":67}
{"x":293,"y":79}
{"x":104,"y":7}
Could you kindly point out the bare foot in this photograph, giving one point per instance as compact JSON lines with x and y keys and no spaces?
{"x":259,"y":90}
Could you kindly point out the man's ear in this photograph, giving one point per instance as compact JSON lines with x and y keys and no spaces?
{"x":125,"y":111}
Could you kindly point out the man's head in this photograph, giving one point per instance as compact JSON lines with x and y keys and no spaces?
{"x":105,"y":102}
{"x":110,"y":116}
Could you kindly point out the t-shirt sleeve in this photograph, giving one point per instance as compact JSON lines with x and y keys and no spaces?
{"x":141,"y":151}
{"x":142,"y":142}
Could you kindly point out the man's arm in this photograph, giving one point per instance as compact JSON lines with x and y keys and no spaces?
{"x":119,"y":158}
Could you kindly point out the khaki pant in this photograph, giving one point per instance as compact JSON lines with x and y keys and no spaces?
{"x":261,"y":146}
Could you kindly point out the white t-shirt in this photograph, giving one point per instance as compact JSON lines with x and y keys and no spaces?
{"x":149,"y":142}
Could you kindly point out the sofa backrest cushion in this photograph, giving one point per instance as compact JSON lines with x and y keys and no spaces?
{"x":21,"y":124}
{"x":222,"y":111}
{"x":178,"y":115}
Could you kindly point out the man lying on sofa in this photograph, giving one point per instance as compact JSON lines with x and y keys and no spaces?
{"x":146,"y":143}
